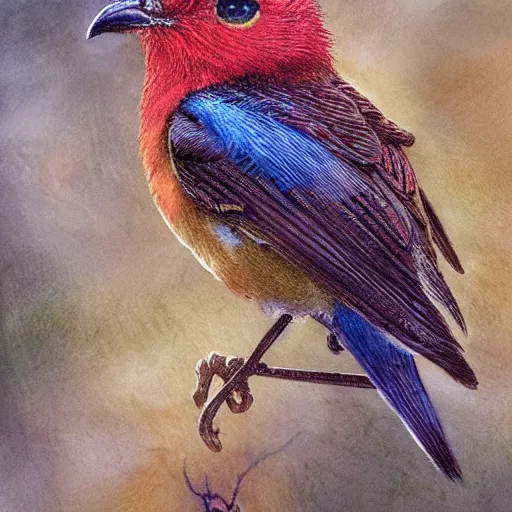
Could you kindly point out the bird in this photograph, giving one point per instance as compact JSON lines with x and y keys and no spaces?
{"x":294,"y":189}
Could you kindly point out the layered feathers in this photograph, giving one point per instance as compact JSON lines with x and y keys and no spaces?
{"x":394,"y":373}
{"x":323,"y":203}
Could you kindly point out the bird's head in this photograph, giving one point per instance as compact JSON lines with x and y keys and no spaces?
{"x":219,"y":40}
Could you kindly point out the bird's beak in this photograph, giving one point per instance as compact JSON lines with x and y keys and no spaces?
{"x":125,"y":15}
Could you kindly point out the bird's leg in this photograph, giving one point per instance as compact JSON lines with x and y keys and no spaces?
{"x":235,"y":372}
{"x":237,"y":376}
{"x":241,"y":398}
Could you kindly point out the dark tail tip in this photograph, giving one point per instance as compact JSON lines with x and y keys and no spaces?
{"x":454,"y":473}
{"x":467,"y":377}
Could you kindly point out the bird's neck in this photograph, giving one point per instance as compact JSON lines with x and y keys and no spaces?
{"x":168,"y":80}
{"x":172,"y":72}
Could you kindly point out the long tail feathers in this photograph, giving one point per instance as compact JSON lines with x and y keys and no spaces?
{"x":393,"y":371}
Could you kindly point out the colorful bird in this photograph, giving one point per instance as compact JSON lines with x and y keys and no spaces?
{"x":294,"y":189}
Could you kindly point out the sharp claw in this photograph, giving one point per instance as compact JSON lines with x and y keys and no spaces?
{"x":215,"y":445}
{"x":239,"y":399}
{"x":210,"y":437}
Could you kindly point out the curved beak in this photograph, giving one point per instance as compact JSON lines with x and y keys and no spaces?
{"x":121,"y":16}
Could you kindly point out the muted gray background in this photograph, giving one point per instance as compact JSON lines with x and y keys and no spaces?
{"x":104,"y":314}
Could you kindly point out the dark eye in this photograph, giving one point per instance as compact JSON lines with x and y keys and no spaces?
{"x":238,"y":12}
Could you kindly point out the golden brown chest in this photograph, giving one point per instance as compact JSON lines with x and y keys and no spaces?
{"x":245,"y":266}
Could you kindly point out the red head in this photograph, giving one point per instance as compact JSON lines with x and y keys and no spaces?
{"x":202,"y":42}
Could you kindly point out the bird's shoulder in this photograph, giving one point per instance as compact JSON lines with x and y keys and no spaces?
{"x":330,"y":113}
{"x":329,"y":110}
{"x":326,"y":117}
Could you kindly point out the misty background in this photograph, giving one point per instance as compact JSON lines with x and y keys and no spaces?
{"x":104,"y":314}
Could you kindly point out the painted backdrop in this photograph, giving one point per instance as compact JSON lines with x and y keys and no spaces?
{"x":104,"y":314}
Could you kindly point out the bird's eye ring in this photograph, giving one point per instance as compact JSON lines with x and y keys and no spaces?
{"x":238,"y":13}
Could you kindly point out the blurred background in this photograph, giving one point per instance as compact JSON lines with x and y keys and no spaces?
{"x":104,"y":314}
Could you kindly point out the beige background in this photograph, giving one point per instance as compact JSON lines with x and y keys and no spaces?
{"x":104,"y":314}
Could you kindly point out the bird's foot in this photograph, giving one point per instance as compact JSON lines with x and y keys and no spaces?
{"x":235,"y":372}
{"x":224,"y":367}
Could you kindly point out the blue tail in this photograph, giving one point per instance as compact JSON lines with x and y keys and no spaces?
{"x":393,"y":371}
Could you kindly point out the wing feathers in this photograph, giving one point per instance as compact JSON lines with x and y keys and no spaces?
{"x":439,"y":235}
{"x":349,"y":224}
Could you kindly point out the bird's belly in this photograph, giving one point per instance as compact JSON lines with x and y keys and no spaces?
{"x":248,"y":268}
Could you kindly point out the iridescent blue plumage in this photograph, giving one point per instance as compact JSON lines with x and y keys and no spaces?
{"x":294,"y":190}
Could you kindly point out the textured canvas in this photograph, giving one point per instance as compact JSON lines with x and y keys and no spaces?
{"x":105,"y":313}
